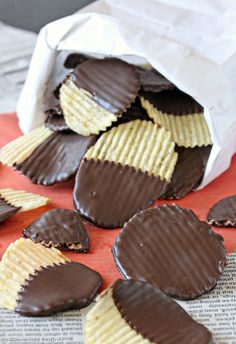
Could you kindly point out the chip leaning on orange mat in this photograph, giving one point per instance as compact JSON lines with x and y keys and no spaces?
{"x":99,"y":257}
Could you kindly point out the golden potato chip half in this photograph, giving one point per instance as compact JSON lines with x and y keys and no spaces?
{"x":35,"y":280}
{"x":21,"y":259}
{"x":189,"y":130}
{"x":140,"y":144}
{"x":82,"y":114}
{"x":136,"y":312}
{"x":20,"y":149}
{"x":24,"y":200}
{"x":96,"y":93}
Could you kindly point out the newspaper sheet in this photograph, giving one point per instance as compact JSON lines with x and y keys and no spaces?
{"x":217,"y":309}
{"x":61,"y":328}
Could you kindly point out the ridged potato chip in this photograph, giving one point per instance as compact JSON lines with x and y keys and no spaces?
{"x":140,"y":144}
{"x":25,"y":200}
{"x":22,"y":259}
{"x":82,"y":114}
{"x":135,"y":312}
{"x":105,"y":325}
{"x":20,"y":149}
{"x":96,"y":93}
{"x":186,"y":130}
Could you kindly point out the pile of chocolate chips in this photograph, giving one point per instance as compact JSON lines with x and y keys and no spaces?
{"x":159,"y":90}
{"x":138,"y":250}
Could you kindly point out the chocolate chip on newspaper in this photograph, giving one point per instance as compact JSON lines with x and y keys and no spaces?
{"x":153,"y":81}
{"x":139,"y":313}
{"x":173,"y":250}
{"x":58,"y":288}
{"x":96,"y":93}
{"x":74,"y":59}
{"x":188,"y":173}
{"x":56,"y":159}
{"x":180,"y":114}
{"x":55,"y":120}
{"x":7,"y":210}
{"x":108,"y":194}
{"x":60,"y":228}
{"x":223,"y":213}
{"x":36,"y":280}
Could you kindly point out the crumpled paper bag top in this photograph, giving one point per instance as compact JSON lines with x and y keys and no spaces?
{"x":191,"y":43}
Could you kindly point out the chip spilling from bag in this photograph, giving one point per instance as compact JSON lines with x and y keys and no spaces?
{"x":125,"y":171}
{"x":46,"y":157}
{"x":96,"y":93}
{"x":189,"y":171}
{"x":180,"y":114}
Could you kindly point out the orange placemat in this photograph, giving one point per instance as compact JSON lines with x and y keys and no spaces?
{"x":100,"y":257}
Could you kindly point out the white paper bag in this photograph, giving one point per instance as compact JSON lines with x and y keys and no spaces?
{"x":192,"y":43}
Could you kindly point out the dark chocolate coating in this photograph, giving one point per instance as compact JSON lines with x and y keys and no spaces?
{"x":57,"y":288}
{"x":60,"y":228}
{"x":6,"y":210}
{"x":136,"y":111}
{"x":109,"y":194}
{"x":223,"y":213}
{"x":113,"y":83}
{"x":173,"y":102}
{"x":56,"y":159}
{"x":55,"y":120}
{"x":173,"y":250}
{"x":205,"y":154}
{"x":153,"y":81}
{"x":188,"y":173}
{"x":156,"y":316}
{"x":74,"y":59}
{"x":54,"y":110}
{"x":56,"y":91}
